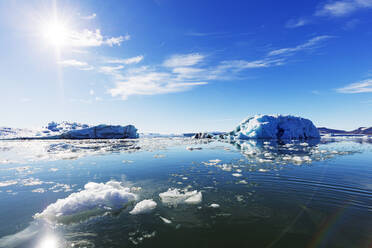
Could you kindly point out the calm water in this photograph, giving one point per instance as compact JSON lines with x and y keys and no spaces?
{"x":263,"y":194}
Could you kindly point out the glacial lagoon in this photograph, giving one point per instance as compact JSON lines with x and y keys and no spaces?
{"x":204,"y":193}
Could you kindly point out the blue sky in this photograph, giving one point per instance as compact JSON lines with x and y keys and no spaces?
{"x":178,"y":66}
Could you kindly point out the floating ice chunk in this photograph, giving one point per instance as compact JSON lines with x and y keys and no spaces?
{"x":195,"y":199}
{"x":275,"y":127}
{"x":215,"y":161}
{"x":237,"y":174}
{"x":263,"y":170}
{"x":214,"y":205}
{"x":243,"y":182}
{"x":226,"y":167}
{"x":8,"y":183}
{"x":39,"y":190}
{"x":159,"y":156}
{"x":166,"y":221}
{"x":32,"y":182}
{"x":143,"y":207}
{"x":94,"y":195}
{"x":190,"y":148}
{"x":176,"y":196}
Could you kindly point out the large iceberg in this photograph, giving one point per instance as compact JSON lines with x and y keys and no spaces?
{"x":280,"y":127}
{"x":102,"y":132}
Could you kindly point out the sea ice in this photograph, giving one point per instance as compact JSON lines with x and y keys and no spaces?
{"x":143,"y":207}
{"x":214,"y":205}
{"x":166,"y":221}
{"x":177,"y":196}
{"x":94,"y":195}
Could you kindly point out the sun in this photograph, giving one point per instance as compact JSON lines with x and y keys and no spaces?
{"x":56,"y":32}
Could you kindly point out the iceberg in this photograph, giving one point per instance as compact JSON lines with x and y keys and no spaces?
{"x":71,"y":130}
{"x":102,"y":132}
{"x":279,"y":127}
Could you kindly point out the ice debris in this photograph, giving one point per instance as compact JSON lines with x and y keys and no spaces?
{"x":95,"y":195}
{"x":143,"y":207}
{"x":177,"y":196}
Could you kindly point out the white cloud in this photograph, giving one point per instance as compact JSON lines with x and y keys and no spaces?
{"x":89,"y":38}
{"x":183,"y":72}
{"x":133,"y":60}
{"x":182,"y":60}
{"x":89,"y":17}
{"x":117,"y":40}
{"x":310,"y":44}
{"x":91,"y":92}
{"x":150,"y":83}
{"x":81,"y":65}
{"x":359,"y":87}
{"x":110,"y":69}
{"x":295,"y":23}
{"x":343,"y":7}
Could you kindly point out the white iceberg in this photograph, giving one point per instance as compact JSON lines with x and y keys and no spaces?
{"x":281,"y":127}
{"x":71,"y":130}
{"x":102,"y":132}
{"x":143,"y":207}
{"x":94,"y":195}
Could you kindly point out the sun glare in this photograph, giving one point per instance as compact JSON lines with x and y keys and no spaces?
{"x":48,"y":242}
{"x":56,"y":33}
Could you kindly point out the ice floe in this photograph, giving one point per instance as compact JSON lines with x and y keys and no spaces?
{"x":179,"y":196}
{"x":214,"y":205}
{"x":94,"y":195}
{"x":165,"y":220}
{"x":144,"y":206}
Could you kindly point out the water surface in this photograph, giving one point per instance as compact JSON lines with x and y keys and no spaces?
{"x":254,"y":194}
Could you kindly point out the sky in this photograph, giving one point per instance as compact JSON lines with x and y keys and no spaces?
{"x":173,"y":66}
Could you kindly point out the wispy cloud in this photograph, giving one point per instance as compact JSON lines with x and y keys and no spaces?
{"x":310,"y":44}
{"x":150,"y":83}
{"x":181,"y":60}
{"x":110,"y":69}
{"x":81,"y":65}
{"x":342,"y":8}
{"x":295,"y":23}
{"x":89,"y":17}
{"x":201,"y":34}
{"x":181,"y":72}
{"x":133,"y":60}
{"x":358,"y":87}
{"x":89,"y":38}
